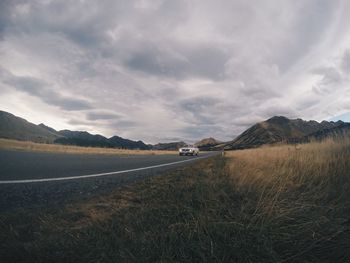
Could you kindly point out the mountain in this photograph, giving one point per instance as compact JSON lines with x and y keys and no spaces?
{"x":42,"y":125}
{"x":119,"y":142}
{"x":279,"y":129}
{"x":340,"y":131}
{"x":208,"y":144}
{"x":13,"y":127}
{"x":82,"y":138}
{"x":170,"y":146}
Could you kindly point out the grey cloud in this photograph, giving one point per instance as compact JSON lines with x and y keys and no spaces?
{"x":308,"y":30}
{"x":39,"y":88}
{"x":307,"y":102}
{"x":161,"y":57}
{"x":64,"y":17}
{"x":124,"y":124}
{"x":171,"y":139}
{"x":259,"y":92}
{"x":320,"y":90}
{"x":65,"y":103}
{"x":345,"y":63}
{"x":79,"y":122}
{"x":180,"y":62}
{"x":89,"y":23}
{"x":199,"y":108}
{"x":102,"y":116}
{"x":4,"y":15}
{"x":198,"y":104}
{"x":330,"y":75}
{"x":278,"y":110}
{"x":195,"y":132}
{"x":246,"y":121}
{"x":334,"y":76}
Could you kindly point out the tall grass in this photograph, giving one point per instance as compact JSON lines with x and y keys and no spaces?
{"x":298,"y":197}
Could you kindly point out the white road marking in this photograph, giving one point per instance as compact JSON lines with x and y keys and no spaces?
{"x":94,"y":175}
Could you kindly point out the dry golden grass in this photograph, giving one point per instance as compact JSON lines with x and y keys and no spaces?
{"x":55,"y":148}
{"x":300,"y":194}
{"x":284,"y":168}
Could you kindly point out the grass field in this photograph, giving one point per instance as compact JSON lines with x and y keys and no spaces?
{"x":42,"y":147}
{"x":273,"y":204}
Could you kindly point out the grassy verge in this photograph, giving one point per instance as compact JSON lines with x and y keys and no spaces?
{"x":279,"y":204}
{"x":55,"y":148}
{"x":297,"y":199}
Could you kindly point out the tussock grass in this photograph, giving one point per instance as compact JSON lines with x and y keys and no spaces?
{"x":297,"y":197}
{"x":55,"y":148}
{"x":273,"y":204}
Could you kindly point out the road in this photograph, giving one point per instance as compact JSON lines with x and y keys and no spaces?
{"x":31,"y":166}
{"x":32,"y":177}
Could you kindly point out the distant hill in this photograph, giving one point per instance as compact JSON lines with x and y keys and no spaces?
{"x":170,"y":146}
{"x":82,"y":138}
{"x":13,"y":127}
{"x":42,"y":125}
{"x":279,"y":129}
{"x":120,"y":142}
{"x":208,"y":144}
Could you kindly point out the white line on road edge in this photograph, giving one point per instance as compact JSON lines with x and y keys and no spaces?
{"x":94,"y":175}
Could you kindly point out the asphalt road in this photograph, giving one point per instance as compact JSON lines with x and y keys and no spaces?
{"x":18,"y":165}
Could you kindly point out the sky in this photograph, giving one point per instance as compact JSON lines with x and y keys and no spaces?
{"x":168,"y":70}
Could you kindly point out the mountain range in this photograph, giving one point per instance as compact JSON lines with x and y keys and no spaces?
{"x":281,"y":129}
{"x":274,"y":130}
{"x":13,"y":127}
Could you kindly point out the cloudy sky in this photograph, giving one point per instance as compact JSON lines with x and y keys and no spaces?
{"x":163,"y":70}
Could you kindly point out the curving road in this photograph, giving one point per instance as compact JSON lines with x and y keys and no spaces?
{"x":27,"y":167}
{"x":32,"y":178}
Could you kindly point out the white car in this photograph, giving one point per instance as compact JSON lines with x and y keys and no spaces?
{"x":188,"y":151}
